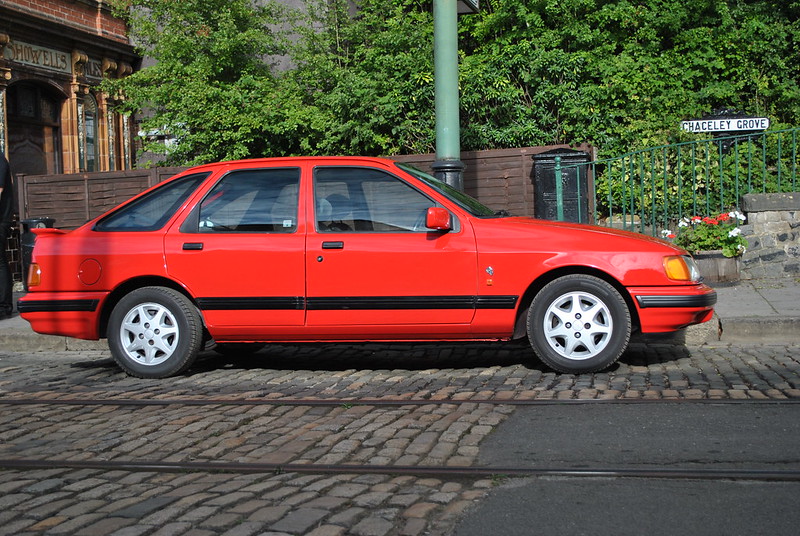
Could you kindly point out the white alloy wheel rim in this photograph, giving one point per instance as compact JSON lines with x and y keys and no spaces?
{"x":149,"y":334}
{"x":578,"y":325}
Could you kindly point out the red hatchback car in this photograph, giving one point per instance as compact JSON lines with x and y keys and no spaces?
{"x":347,"y":249}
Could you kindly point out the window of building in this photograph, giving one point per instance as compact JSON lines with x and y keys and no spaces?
{"x":90,"y":117}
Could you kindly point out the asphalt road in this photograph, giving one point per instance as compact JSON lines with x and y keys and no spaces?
{"x":726,"y":439}
{"x":601,"y":507}
{"x":724,"y":436}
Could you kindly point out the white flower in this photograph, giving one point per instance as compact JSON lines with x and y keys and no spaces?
{"x":738,"y":215}
{"x":683,"y":223}
{"x":734,"y":232}
{"x":665,"y":233}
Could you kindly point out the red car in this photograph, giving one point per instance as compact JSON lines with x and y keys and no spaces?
{"x":347,"y":249}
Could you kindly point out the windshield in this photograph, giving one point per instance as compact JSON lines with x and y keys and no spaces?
{"x":470,"y":204}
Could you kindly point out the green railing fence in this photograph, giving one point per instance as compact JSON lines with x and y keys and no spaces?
{"x":652,"y":189}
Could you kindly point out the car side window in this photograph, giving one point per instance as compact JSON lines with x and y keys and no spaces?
{"x":351,"y":199}
{"x":154,"y":209}
{"x":252,"y":201}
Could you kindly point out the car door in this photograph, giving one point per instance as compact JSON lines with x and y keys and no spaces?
{"x":241,"y":252}
{"x":372,"y":263}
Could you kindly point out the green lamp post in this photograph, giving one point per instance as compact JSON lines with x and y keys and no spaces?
{"x":448,"y":165}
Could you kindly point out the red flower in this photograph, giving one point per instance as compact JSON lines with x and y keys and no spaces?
{"x":724,"y":217}
{"x":710,"y":221}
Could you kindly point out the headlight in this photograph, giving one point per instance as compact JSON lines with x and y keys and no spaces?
{"x":681,"y":268}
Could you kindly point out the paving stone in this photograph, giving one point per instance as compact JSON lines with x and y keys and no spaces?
{"x":105,"y":526}
{"x":173,"y":529}
{"x":328,"y":530}
{"x":346,"y":517}
{"x":420,"y":509}
{"x":300,"y":520}
{"x":269,"y":514}
{"x":247,"y":528}
{"x":373,"y":526}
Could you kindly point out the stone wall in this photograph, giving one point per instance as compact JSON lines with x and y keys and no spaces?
{"x":773,"y":233}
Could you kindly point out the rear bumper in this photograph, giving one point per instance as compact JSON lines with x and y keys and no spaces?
{"x":66,"y":314}
{"x":664,"y":309}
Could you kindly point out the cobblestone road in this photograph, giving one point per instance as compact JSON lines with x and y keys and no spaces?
{"x":441,"y":425}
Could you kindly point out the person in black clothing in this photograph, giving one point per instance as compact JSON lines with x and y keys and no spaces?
{"x":6,"y":212}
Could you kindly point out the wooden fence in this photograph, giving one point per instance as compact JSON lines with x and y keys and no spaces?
{"x":74,"y":199}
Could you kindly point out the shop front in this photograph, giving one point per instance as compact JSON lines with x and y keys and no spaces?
{"x":53,"y":117}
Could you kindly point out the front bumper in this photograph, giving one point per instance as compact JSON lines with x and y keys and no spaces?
{"x":664,"y":309}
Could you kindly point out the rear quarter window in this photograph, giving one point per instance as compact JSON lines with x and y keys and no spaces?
{"x":151,"y":211}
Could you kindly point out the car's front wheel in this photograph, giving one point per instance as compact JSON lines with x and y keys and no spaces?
{"x":154,"y":332}
{"x":579,"y":323}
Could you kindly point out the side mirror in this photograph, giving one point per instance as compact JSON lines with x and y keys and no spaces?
{"x":438,"y":219}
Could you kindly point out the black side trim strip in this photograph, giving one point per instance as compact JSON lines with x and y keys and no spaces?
{"x":293,"y":303}
{"x":411,"y":302}
{"x":496,"y":302}
{"x":703,"y":300}
{"x":343,"y":303}
{"x":53,"y":306}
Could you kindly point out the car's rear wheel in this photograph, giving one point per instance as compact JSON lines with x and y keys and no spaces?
{"x":154,"y":332}
{"x":579,"y":323}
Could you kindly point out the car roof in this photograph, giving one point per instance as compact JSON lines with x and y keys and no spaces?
{"x":295,"y":161}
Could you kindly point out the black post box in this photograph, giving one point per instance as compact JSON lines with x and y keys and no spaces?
{"x":574,"y":185}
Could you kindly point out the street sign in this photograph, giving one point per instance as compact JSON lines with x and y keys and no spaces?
{"x":732,"y":124}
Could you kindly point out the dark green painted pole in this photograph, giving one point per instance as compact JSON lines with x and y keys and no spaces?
{"x":559,"y":191}
{"x":448,"y":166}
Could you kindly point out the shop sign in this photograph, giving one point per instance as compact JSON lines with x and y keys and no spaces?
{"x":36,"y":56}
{"x":93,"y":69}
{"x":733,"y":124}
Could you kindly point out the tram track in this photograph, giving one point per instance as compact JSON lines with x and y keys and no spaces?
{"x":450,"y":472}
{"x":348,"y":402}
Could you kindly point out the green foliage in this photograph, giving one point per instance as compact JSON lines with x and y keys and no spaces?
{"x":210,"y":86}
{"x":615,"y":73}
{"x":369,"y":77}
{"x":622,"y":75}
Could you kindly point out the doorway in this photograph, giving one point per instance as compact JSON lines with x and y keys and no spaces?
{"x":34,"y":129}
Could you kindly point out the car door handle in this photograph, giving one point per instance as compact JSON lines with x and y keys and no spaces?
{"x":333,"y":245}
{"x":192,"y":246}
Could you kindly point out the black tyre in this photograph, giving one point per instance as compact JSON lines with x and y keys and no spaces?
{"x":155,"y":332}
{"x":579,"y":323}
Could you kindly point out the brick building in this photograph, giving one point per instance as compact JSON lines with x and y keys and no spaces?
{"x":53,"y":54}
